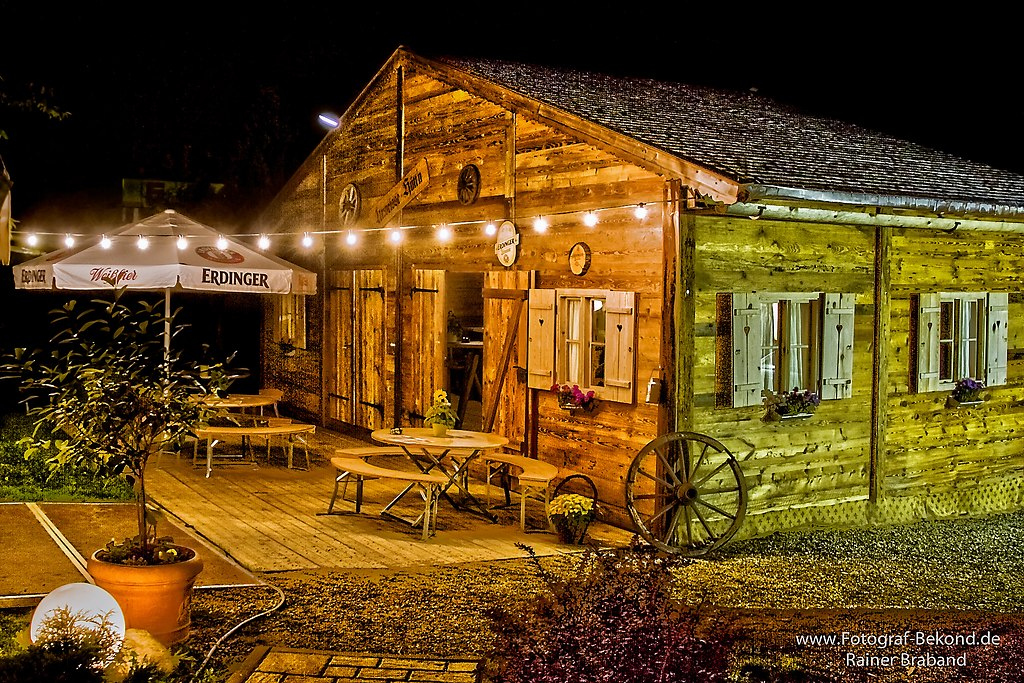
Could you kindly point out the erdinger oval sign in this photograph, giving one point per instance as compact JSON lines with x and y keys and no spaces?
{"x":506,"y":245}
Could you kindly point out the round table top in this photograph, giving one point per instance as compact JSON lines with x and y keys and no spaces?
{"x":424,"y":438}
{"x":238,"y":401}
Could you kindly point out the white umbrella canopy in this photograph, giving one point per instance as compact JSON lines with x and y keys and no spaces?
{"x":199,"y":265}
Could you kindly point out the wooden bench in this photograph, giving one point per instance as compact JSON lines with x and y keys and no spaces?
{"x":534,"y":476}
{"x":350,"y":463}
{"x":292,"y":430}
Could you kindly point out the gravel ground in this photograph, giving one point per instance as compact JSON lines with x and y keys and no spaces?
{"x":954,"y":576}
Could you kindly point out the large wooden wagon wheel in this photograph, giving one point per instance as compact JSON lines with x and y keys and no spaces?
{"x":686,"y":493}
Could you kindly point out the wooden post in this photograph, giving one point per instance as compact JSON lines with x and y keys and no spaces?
{"x":880,"y":364}
{"x":682,"y":352}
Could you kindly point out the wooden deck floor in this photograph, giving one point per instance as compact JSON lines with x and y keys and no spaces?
{"x":269,"y":518}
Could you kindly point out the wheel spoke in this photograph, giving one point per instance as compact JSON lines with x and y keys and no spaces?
{"x":662,"y":511}
{"x":673,"y":525}
{"x":670,"y":468}
{"x":703,"y":522}
{"x":660,"y":481}
{"x":700,"y":461}
{"x":689,"y":533}
{"x":717,"y":491}
{"x":713,"y":472}
{"x":715,"y":508}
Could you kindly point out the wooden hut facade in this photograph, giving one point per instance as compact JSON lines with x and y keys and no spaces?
{"x":680,"y":252}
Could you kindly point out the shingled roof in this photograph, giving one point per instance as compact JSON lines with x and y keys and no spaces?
{"x":768,"y":147}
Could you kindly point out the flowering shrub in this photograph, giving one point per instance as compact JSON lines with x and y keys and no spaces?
{"x":791,"y":403}
{"x":574,"y":396}
{"x":440,"y":410}
{"x":967,"y":389}
{"x":571,"y":505}
{"x":614,"y":617}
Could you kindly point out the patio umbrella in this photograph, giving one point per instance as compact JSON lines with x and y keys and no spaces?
{"x":146,"y":255}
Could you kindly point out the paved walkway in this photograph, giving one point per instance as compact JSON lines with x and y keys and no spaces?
{"x":286,"y":665}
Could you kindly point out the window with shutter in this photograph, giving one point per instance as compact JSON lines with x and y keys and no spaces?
{"x":584,"y":337}
{"x":540,"y":347}
{"x":961,"y":335}
{"x":782,"y":341}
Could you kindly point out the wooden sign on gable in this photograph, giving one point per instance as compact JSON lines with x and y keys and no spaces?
{"x":398,"y":197}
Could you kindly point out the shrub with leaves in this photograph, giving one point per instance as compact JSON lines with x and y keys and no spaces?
{"x":613,"y":620}
{"x":111,"y":391}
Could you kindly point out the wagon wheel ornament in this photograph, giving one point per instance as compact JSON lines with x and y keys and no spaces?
{"x":349,"y":205}
{"x":469,"y":184}
{"x":685,"y":493}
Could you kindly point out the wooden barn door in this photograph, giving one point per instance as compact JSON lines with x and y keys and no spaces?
{"x":500,"y":304}
{"x":425,"y":345}
{"x":354,"y":362}
{"x":338,"y":346}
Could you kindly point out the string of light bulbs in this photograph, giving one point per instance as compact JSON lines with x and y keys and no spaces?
{"x":443,"y":232}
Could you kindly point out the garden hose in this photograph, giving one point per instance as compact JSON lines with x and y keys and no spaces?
{"x":237,"y":626}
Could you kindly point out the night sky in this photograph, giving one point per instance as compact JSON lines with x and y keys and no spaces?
{"x":192,"y":93}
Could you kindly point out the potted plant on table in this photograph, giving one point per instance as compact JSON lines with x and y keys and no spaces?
{"x":108,"y":394}
{"x":440,"y":415}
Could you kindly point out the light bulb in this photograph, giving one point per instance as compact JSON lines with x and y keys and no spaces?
{"x":32,"y":240}
{"x":590,"y":219}
{"x":540,"y":224}
{"x":143,"y":243}
{"x":69,"y":241}
{"x":222,"y":243}
{"x":351,"y":239}
{"x":640,"y":211}
{"x":263,"y":243}
{"x":444,"y":233}
{"x":105,"y":242}
{"x":490,"y":229}
{"x":395,"y":236}
{"x":307,"y":240}
{"x":182,"y":243}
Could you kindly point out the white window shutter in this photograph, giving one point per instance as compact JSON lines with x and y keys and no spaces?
{"x":928,"y":343}
{"x":996,"y":341}
{"x":837,"y":347}
{"x":619,"y":356}
{"x":746,"y":347}
{"x":540,"y":348}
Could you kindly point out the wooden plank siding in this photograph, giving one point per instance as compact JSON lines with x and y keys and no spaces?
{"x":929,"y":448}
{"x":822,"y":461}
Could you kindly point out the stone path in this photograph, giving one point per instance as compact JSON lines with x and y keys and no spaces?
{"x":286,"y":665}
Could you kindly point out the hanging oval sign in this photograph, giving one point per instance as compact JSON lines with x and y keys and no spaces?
{"x":506,"y":245}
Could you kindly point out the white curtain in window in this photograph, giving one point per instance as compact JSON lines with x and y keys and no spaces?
{"x":769,"y":341}
{"x":794,"y":323}
{"x":574,"y":325}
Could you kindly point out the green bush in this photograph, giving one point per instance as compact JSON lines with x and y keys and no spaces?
{"x":32,"y":478}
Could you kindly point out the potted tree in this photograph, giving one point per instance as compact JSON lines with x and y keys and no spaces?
{"x":108,"y":394}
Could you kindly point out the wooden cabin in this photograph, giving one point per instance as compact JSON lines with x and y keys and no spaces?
{"x":678,"y":251}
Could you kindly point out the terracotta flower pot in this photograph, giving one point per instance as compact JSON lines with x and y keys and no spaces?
{"x":155,"y":598}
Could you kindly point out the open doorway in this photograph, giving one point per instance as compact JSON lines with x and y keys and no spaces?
{"x":464,"y":303}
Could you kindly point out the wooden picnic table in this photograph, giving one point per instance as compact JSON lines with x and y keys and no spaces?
{"x":450,"y":454}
